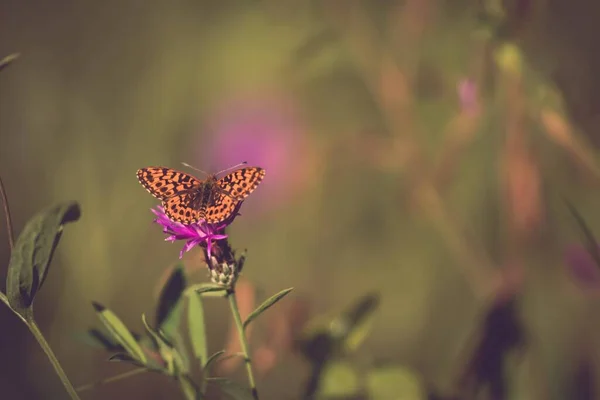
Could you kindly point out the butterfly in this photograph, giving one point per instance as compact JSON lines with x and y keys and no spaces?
{"x":187,"y":199}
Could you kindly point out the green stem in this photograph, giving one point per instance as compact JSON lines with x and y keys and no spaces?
{"x":240,"y":328}
{"x":35,"y":330}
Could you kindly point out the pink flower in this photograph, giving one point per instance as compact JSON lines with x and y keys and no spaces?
{"x":468,"y":95}
{"x":197,"y":234}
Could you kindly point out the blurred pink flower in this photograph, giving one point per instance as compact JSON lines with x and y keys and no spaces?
{"x":264,"y":130}
{"x":468,"y":95}
{"x":582,"y":267}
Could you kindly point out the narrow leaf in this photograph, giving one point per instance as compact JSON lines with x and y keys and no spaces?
{"x":189,"y":389}
{"x":356,"y":322}
{"x":165,"y":349}
{"x":197,"y":327}
{"x":97,"y":338}
{"x":232,"y":389}
{"x":212,"y":359}
{"x":170,"y":294}
{"x":33,"y":253}
{"x":6,"y":61}
{"x":206,"y":288}
{"x":266,"y":304}
{"x":118,"y":357}
{"x":124,"y":357}
{"x":120,"y":332}
{"x":214,"y":293}
{"x":591,"y":242}
{"x":170,"y":312}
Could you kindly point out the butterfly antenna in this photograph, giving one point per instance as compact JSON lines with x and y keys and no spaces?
{"x":195,"y":169}
{"x":234,"y":167}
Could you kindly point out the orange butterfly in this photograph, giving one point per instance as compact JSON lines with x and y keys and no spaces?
{"x":187,"y":199}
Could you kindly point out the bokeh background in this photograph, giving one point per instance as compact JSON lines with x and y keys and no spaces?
{"x":417,"y":149}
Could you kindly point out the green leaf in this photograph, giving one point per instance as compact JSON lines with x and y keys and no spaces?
{"x":165,"y":349}
{"x":266,"y":304}
{"x":394,"y":383}
{"x":356,"y":323}
{"x":212,"y":359}
{"x":170,"y":330}
{"x":232,"y":389}
{"x":339,"y":380}
{"x":207,"y":289}
{"x":126,"y":358}
{"x":170,"y":295}
{"x":33,"y":251}
{"x":99,"y":339}
{"x":197,"y":327}
{"x":120,"y":332}
{"x":168,"y":317}
{"x":6,"y":61}
{"x":189,"y":389}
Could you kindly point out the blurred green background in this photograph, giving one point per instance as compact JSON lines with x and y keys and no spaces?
{"x":418,"y":149}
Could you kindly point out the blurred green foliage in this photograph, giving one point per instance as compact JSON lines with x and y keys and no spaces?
{"x":401,"y":186}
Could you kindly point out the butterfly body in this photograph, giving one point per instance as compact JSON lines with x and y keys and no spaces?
{"x":187,"y":199}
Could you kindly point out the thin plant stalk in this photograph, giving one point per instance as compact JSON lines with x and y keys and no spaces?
{"x":35,"y":331}
{"x":115,"y":378}
{"x":9,"y":228}
{"x":243,"y":341}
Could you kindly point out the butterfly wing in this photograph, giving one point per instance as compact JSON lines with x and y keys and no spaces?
{"x":179,"y":208}
{"x":164,"y":183}
{"x":221,"y":209}
{"x":240,"y":183}
{"x":178,"y":192}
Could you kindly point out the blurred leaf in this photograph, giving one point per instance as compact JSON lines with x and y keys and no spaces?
{"x":120,"y":332}
{"x":171,"y":332}
{"x":348,"y":327}
{"x":318,"y":55}
{"x":318,"y":349}
{"x":170,"y":312}
{"x":97,"y":338}
{"x":339,"y":379}
{"x":124,"y":357}
{"x":327,"y":338}
{"x":6,"y":61}
{"x":266,"y":305}
{"x":394,"y":383}
{"x":232,"y":389}
{"x":591,"y":242}
{"x":228,"y":356}
{"x":189,"y":389}
{"x":359,"y":320}
{"x":502,"y":332}
{"x":170,"y":294}
{"x":33,"y":251}
{"x":212,"y":359}
{"x":197,"y":327}
{"x":165,"y":349}
{"x":509,"y":58}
